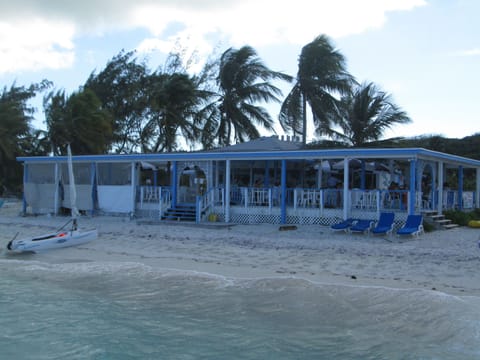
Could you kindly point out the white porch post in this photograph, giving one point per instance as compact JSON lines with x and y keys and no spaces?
{"x":319,"y":175}
{"x":227,"y":191}
{"x":57,"y":189}
{"x":211,"y":196}
{"x":133,"y":183}
{"x":477,"y":192}
{"x":346,"y":175}
{"x":412,"y":192}
{"x":283,"y":200}
{"x":440,"y":187}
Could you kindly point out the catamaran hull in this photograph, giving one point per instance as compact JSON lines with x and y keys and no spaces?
{"x":52,"y":241}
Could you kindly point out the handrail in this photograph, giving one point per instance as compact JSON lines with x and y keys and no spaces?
{"x":204,"y":202}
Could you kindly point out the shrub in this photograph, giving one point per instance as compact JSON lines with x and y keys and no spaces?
{"x":461,"y":217}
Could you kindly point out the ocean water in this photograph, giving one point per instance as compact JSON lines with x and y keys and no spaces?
{"x":89,"y":310}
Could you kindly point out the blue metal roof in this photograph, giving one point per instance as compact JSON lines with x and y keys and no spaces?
{"x":324,"y":154}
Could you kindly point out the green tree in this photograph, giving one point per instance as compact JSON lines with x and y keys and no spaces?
{"x":173,"y":103}
{"x":15,"y":130}
{"x":243,"y":80}
{"x":321,"y":77}
{"x":365,"y":114}
{"x":121,"y":87}
{"x":79,"y":120}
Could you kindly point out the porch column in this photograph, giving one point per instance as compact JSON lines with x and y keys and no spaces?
{"x":227,"y":191}
{"x":362,"y":175}
{"x":440,"y":187}
{"x":319,"y":175}
{"x":412,"y":193}
{"x":93,"y":180}
{"x":25,"y":178}
{"x":132,"y":183}
{"x":283,"y":192}
{"x":266,"y":176}
{"x":57,"y":189}
{"x":460,"y":188}
{"x":346,"y":176}
{"x":210,"y":182}
{"x":477,"y":192}
{"x":173,"y":184}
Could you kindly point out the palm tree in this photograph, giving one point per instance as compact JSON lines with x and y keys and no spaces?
{"x":243,"y":80}
{"x":321,"y":77}
{"x":365,"y":115}
{"x":173,"y":103}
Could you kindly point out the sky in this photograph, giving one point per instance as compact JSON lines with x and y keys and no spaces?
{"x":424,"y":53}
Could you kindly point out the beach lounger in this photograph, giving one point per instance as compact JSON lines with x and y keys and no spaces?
{"x":385,"y":224}
{"x":343,"y":226}
{"x":361,"y":226}
{"x":413,"y":226}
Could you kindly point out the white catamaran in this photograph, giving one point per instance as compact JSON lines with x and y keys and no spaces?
{"x":60,"y":238}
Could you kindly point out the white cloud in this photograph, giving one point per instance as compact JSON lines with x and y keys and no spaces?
{"x":35,"y":44}
{"x":36,"y":34}
{"x":470,"y":52}
{"x":262,"y":22}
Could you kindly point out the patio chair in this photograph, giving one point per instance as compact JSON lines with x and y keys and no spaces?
{"x":385,"y":224}
{"x":413,"y":226}
{"x":343,"y":226}
{"x":361,"y":226}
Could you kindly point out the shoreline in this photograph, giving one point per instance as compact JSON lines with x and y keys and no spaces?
{"x":445,"y":260}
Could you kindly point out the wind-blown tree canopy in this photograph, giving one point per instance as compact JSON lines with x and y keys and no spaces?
{"x":173,"y":102}
{"x":172,"y":106}
{"x":78,"y":120}
{"x":321,"y":78}
{"x":243,"y":80}
{"x":121,"y":87}
{"x":365,"y":114}
{"x":16,"y":132}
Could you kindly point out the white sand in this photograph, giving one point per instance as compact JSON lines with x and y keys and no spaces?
{"x":447,"y":261}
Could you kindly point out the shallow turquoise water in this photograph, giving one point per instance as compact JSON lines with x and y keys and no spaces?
{"x":129,"y":311}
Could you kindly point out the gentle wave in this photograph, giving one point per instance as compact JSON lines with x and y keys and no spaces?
{"x":131,"y":310}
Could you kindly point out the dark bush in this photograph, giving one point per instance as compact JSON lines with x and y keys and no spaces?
{"x":461,"y":217}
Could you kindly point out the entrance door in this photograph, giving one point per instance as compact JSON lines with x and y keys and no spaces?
{"x":192,"y":182}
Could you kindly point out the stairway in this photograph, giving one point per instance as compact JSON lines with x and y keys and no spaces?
{"x":181,"y":212}
{"x":439,"y":221}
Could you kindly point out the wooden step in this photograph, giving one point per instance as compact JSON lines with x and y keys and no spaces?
{"x":450,"y":226}
{"x":443,"y":221}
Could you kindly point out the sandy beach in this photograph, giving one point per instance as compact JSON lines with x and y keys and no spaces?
{"x":445,"y":261}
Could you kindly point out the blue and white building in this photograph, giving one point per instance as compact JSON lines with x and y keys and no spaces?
{"x":268,"y":180}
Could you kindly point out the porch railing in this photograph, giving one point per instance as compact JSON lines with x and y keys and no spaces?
{"x":372,"y":200}
{"x":157,"y":197}
{"x":267,"y":201}
{"x":204,"y":203}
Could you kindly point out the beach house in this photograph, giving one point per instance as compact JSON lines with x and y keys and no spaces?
{"x":267,"y":180}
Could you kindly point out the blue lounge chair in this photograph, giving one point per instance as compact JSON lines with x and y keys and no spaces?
{"x":385,"y":223}
{"x":343,"y":226}
{"x":413,"y":226}
{"x":361,"y":226}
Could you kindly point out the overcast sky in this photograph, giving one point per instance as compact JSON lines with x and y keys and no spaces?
{"x":425,"y":53}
